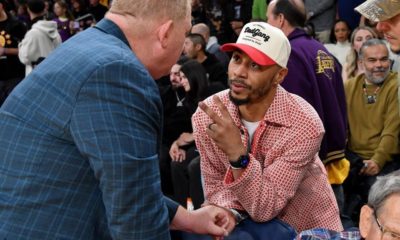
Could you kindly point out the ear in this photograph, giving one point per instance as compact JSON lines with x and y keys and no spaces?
{"x":281,"y":20}
{"x":197,"y":47}
{"x":366,"y":217}
{"x":165,"y":32}
{"x":280,"y":75}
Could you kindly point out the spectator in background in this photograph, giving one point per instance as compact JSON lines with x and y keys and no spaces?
{"x":175,"y":120}
{"x":379,"y":218}
{"x":64,"y":20}
{"x":97,"y":10}
{"x":48,"y":10}
{"x":40,"y":40}
{"x":345,"y":11}
{"x":259,"y":9}
{"x":78,"y":8}
{"x":217,"y":18}
{"x":212,"y":43}
{"x":353,"y":67}
{"x":199,"y":14}
{"x":387,"y":14}
{"x":339,"y":45}
{"x":195,"y":48}
{"x":237,"y":14}
{"x":81,"y":15}
{"x":315,"y":75}
{"x":183,"y":150}
{"x":12,"y":31}
{"x":374,"y":124}
{"x":322,"y":14}
{"x":22,"y":14}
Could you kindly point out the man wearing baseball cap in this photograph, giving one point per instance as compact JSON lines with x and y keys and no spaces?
{"x":259,"y":144}
{"x":387,"y":14}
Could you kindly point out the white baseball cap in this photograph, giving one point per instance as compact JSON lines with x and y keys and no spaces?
{"x":379,"y":10}
{"x":263,"y":43}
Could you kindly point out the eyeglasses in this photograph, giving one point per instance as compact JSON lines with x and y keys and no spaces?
{"x":386,"y":234}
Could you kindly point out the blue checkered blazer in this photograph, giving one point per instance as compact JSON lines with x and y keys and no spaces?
{"x":78,"y":146}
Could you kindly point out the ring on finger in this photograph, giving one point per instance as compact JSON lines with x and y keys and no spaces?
{"x":209,"y":126}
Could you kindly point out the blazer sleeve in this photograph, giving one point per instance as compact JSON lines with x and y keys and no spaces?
{"x":172,"y":207}
{"x":116,"y":123}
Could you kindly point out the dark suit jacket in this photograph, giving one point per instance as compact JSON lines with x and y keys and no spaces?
{"x":78,"y":145}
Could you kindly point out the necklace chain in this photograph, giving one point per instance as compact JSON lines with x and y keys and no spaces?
{"x":180,"y":101}
{"x":370,"y":99}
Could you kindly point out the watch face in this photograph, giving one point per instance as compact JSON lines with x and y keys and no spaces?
{"x":244,"y":160}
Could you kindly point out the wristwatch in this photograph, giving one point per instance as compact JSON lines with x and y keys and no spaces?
{"x":241,"y":162}
{"x":239,"y":217}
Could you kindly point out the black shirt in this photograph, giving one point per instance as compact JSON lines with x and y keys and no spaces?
{"x":12,"y":31}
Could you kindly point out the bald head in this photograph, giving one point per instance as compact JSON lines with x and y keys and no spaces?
{"x":293,"y":11}
{"x":201,"y":29}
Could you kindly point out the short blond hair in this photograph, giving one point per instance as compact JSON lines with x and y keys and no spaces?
{"x":152,"y":9}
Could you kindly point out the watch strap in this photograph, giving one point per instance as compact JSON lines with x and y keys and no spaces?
{"x":239,"y":216}
{"x":241,"y":162}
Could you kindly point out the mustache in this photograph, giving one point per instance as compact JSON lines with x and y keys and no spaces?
{"x":379,"y":69}
{"x":239,"y":81}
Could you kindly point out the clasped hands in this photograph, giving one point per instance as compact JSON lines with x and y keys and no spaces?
{"x":176,"y":153}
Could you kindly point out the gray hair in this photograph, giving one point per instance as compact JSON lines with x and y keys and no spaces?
{"x":384,"y":187}
{"x":369,"y":43}
{"x":152,"y":9}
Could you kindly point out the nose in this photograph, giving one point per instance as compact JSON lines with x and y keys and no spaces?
{"x":378,"y":64}
{"x":383,"y":26}
{"x":240,"y":71}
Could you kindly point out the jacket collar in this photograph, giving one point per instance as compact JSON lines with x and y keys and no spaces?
{"x":110,"y":27}
{"x":297,"y":32}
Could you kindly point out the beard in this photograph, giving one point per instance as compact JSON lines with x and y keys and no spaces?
{"x":238,"y":101}
{"x":377,"y":80}
{"x":256,"y":93}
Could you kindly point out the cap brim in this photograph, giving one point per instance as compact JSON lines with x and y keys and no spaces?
{"x":376,"y":10}
{"x":255,"y":55}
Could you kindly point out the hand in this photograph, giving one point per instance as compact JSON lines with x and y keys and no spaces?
{"x":211,"y":220}
{"x":371,"y":168}
{"x":236,"y":24}
{"x":185,"y":139}
{"x":2,"y":51}
{"x":177,"y":154}
{"x":232,"y":220}
{"x":223,"y":130}
{"x":237,"y":27}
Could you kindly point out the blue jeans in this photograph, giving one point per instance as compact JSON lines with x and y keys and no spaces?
{"x":250,"y":230}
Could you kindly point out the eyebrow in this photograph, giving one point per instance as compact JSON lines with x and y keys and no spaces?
{"x":382,"y":58}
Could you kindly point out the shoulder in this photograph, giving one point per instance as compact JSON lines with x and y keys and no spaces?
{"x":302,"y":109}
{"x":96,"y":48}
{"x":391,"y":83}
{"x":305,"y":47}
{"x":392,"y":79}
{"x":298,"y":114}
{"x":353,"y":82}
